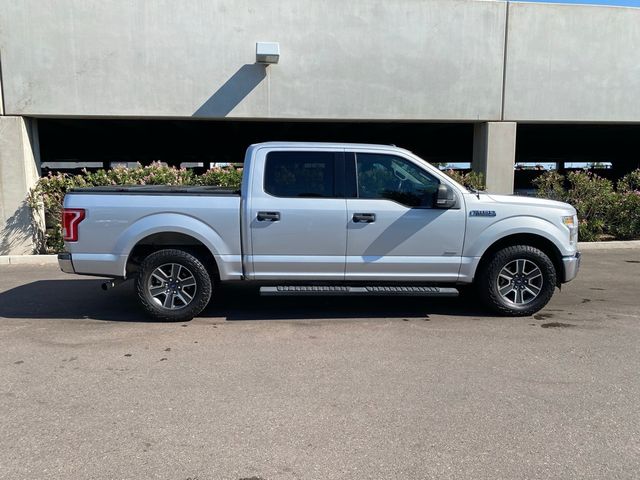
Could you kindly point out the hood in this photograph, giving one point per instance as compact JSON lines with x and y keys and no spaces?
{"x":530,"y":201}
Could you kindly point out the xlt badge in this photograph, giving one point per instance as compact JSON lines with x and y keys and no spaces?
{"x":482,"y":213}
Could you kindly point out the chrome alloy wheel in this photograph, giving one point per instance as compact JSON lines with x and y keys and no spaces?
{"x":172,"y":286}
{"x":520,"y":281}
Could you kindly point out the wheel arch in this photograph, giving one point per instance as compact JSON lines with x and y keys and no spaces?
{"x":173,"y":229}
{"x":534,"y":240}
{"x":171,"y":239}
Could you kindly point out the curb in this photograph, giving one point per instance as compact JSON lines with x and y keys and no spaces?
{"x":612,"y":245}
{"x":28,"y":259}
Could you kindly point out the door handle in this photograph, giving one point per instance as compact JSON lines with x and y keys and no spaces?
{"x":268,"y":216}
{"x":364,"y":217}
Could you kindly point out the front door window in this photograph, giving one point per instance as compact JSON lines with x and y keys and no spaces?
{"x":394,"y":178}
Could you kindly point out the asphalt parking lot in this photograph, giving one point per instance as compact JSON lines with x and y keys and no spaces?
{"x":320,"y":388}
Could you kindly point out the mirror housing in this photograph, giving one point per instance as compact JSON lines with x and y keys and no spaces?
{"x":446,"y":197}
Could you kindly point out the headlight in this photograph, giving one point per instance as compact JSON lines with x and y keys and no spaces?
{"x":571,"y":222}
{"x":568,"y":221}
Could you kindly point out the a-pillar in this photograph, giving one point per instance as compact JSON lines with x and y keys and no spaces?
{"x":494,"y":154}
{"x":20,"y":229}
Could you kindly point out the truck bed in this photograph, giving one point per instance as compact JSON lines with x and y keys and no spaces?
{"x":158,"y":190}
{"x":118,"y":217}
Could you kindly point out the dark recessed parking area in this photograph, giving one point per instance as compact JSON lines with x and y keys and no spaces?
{"x":98,"y":143}
{"x":617,"y":144}
{"x":177,"y":141}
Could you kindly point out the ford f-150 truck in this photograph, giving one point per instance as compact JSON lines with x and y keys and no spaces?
{"x":323,"y":219}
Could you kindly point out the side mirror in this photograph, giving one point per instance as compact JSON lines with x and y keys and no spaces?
{"x":446,"y":197}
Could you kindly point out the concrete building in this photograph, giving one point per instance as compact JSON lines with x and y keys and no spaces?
{"x":490,"y":82}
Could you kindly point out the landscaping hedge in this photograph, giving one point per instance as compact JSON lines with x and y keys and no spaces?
{"x":50,"y":190}
{"x":605,"y":212}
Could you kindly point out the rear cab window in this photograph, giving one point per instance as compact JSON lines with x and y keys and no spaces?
{"x":302,"y":174}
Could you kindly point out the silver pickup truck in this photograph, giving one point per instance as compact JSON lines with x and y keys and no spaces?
{"x":323,"y":219}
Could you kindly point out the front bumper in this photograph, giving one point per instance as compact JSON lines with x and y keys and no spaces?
{"x":65,"y":263}
{"x":571,"y":266}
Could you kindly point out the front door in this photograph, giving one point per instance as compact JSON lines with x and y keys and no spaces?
{"x":393,"y":231}
{"x":298,"y":217}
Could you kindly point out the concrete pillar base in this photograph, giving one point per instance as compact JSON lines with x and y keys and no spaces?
{"x":21,"y":232}
{"x":494,"y":154}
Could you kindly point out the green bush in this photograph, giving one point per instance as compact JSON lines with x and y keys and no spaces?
{"x":154,"y":174}
{"x":624,"y":221}
{"x":550,"y":185}
{"x":471,"y":179}
{"x":630,"y":183}
{"x":221,"y":177}
{"x":49,"y":192}
{"x":603,"y":211}
{"x":593,"y":198}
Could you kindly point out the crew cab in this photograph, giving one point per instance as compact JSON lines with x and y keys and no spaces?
{"x":323,"y":219}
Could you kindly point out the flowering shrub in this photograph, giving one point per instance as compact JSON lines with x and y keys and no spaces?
{"x":593,"y":197}
{"x":154,"y":174}
{"x":602,"y":210}
{"x":551,"y":185}
{"x":471,"y":179}
{"x":49,"y":192}
{"x":630,"y":183}
{"x":625,"y":218}
{"x":221,"y":177}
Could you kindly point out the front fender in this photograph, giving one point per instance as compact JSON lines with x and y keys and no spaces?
{"x":481,"y":241}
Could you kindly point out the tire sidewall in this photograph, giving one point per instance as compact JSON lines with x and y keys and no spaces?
{"x":187,"y":260}
{"x":489,"y":283}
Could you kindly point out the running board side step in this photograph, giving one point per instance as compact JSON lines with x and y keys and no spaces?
{"x":400,"y":291}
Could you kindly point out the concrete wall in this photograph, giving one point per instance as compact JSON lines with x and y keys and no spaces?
{"x":20,"y":231}
{"x":573,"y":63}
{"x":486,"y":62}
{"x":362,"y":59}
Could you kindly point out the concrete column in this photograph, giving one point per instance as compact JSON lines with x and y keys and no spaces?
{"x":1,"y":93}
{"x":20,"y":230}
{"x":494,"y":154}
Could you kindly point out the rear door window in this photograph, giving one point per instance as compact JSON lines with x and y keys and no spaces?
{"x":300,"y":174}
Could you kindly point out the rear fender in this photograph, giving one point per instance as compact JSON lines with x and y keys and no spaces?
{"x":176,"y":223}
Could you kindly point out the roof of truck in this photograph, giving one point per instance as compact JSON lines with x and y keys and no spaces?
{"x":324,"y":145}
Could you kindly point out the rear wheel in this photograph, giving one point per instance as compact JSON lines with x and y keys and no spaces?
{"x":517,"y":281}
{"x":173,"y":285}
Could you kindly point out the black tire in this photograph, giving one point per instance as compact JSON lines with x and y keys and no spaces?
{"x":489,"y":281}
{"x":189,"y":293}
{"x":467,"y":292}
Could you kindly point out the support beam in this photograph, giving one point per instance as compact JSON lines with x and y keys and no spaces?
{"x":1,"y":92}
{"x":20,"y":230}
{"x":494,"y":154}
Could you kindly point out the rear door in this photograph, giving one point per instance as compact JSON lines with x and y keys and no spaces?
{"x":298,"y":215}
{"x":393,"y":232}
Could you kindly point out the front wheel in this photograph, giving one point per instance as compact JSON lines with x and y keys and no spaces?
{"x":517,"y":281}
{"x":173,"y":285}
